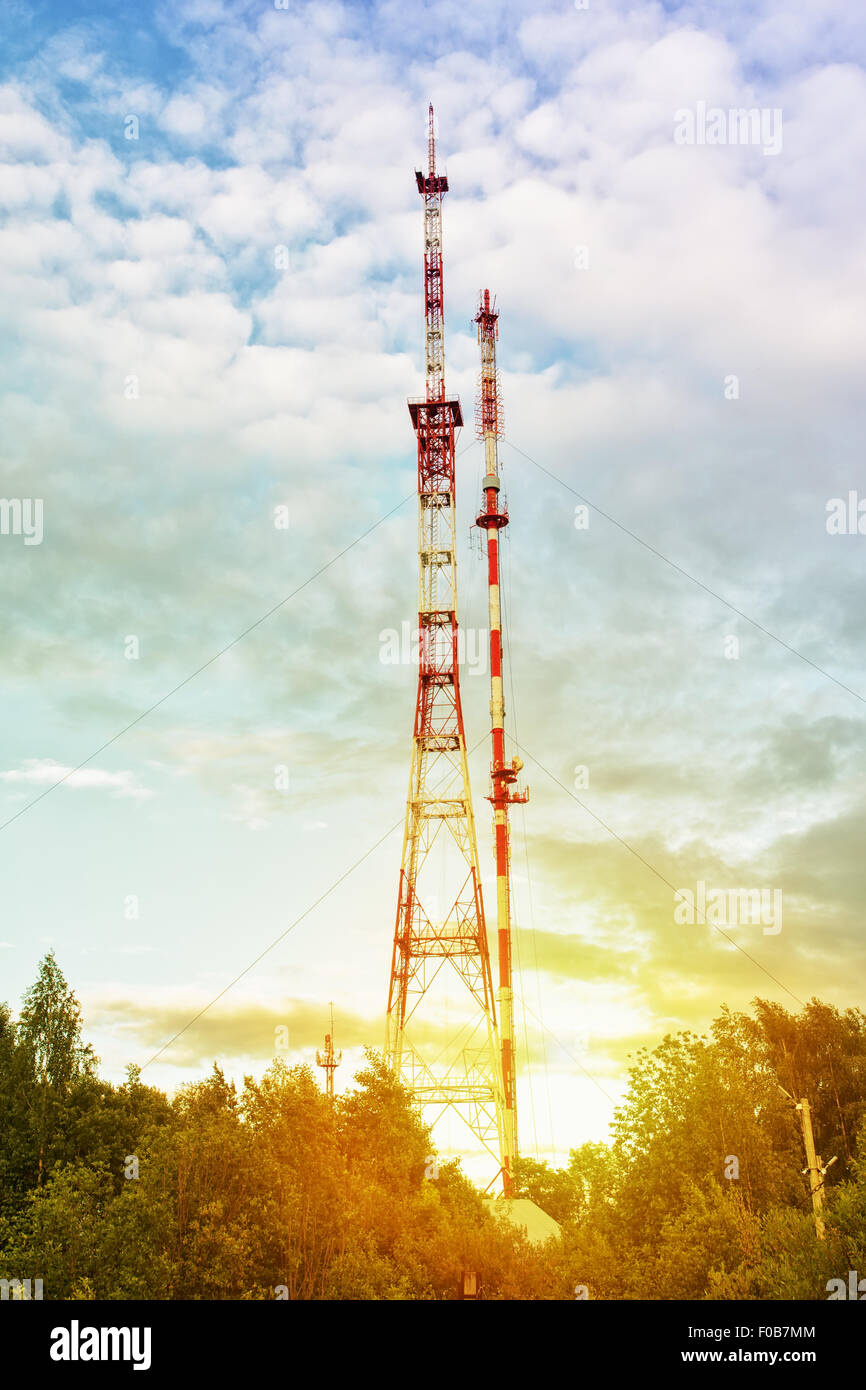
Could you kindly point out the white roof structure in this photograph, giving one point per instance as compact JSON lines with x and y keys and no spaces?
{"x":529,"y":1218}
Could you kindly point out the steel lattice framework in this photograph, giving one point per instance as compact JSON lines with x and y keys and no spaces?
{"x":329,"y":1059}
{"x":439,"y":867}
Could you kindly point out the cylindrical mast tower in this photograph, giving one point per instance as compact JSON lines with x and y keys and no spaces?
{"x":492,"y":519}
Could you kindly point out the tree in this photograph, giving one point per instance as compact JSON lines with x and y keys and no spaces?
{"x":553,"y":1189}
{"x":51,"y":1058}
{"x":49,"y":1028}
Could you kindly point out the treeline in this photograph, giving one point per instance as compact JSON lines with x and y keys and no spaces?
{"x":271,"y":1191}
{"x":702,"y":1193}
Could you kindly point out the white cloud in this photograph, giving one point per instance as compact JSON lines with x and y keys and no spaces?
{"x":43,"y":772}
{"x":182,"y":116}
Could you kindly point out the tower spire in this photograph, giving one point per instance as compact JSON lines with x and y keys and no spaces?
{"x":431,"y":142}
{"x":440,"y":915}
{"x":431,"y":187}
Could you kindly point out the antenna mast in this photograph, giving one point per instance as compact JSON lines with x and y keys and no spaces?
{"x":440,"y":915}
{"x":492,"y":518}
{"x":329,"y":1059}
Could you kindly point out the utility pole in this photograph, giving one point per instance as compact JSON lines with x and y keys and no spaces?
{"x":814,"y":1169}
{"x":814,"y":1166}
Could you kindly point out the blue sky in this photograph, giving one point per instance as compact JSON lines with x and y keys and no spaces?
{"x":154,"y":261}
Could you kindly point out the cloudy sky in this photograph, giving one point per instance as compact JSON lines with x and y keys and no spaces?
{"x":210,"y":259}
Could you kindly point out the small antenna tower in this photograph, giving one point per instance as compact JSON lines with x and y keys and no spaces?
{"x":329,"y":1059}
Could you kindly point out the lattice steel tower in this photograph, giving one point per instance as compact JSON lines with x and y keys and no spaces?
{"x":328,"y":1059}
{"x":443,"y":1045}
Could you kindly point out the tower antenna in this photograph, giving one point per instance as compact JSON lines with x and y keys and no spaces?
{"x":492,"y":518}
{"x":440,"y":924}
{"x":329,"y":1059}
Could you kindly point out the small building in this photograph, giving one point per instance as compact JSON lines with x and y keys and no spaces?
{"x":526,"y":1216}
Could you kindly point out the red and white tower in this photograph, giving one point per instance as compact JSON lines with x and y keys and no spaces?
{"x":492,"y":518}
{"x":328,"y":1059}
{"x":442,"y":1042}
